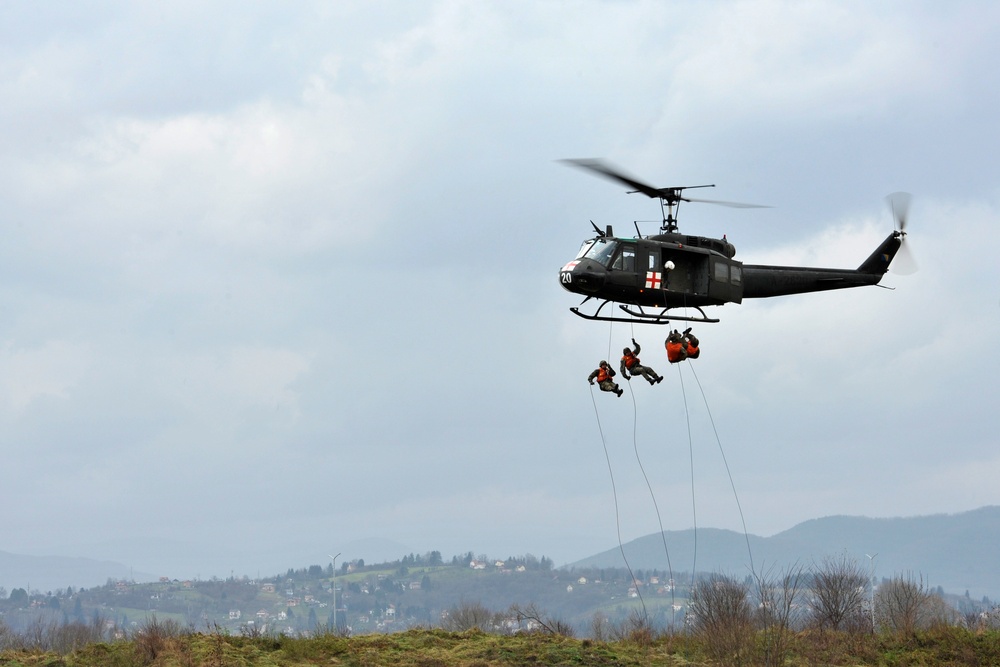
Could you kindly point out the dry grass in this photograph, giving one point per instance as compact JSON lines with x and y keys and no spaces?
{"x":165,"y":645}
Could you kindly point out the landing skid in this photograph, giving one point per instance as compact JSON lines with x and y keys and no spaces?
{"x":642,"y":317}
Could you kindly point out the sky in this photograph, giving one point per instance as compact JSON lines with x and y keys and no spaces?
{"x":279,"y":281}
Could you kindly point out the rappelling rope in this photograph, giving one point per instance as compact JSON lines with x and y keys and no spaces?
{"x":611,"y":327}
{"x":656,"y":507}
{"x":746,"y":535}
{"x":635,"y":447}
{"x":614,"y":493}
{"x":694,"y":508}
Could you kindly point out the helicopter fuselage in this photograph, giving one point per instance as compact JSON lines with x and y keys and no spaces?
{"x":673,"y":270}
{"x":663,"y":271}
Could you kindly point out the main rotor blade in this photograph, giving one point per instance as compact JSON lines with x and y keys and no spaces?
{"x":605,"y":169}
{"x":670,"y":195}
{"x":731,"y":204}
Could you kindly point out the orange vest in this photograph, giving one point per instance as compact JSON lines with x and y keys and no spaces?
{"x":602,"y":374}
{"x":630,"y":360}
{"x":693,"y":351}
{"x":674,"y":352}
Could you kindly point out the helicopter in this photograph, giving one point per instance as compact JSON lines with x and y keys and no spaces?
{"x":648,"y":276}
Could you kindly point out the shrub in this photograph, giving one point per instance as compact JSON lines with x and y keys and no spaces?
{"x":722,"y":619}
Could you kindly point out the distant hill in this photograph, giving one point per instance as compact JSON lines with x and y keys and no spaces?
{"x":49,"y":573}
{"x":958,"y":552}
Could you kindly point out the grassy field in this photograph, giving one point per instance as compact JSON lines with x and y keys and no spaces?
{"x":438,"y":648}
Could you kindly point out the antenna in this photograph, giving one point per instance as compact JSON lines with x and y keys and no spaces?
{"x":871,"y":559}
{"x":333,"y":589}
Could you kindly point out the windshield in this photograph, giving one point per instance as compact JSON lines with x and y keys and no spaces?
{"x":583,"y":249}
{"x":602,"y":250}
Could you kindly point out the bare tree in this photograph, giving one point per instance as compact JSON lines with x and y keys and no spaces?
{"x":838,"y":594}
{"x":154,"y":636}
{"x":777,"y":613}
{"x":636,"y":629}
{"x":9,"y":639}
{"x":721,"y":617}
{"x":905,"y":603}
{"x":468,"y":615}
{"x":599,"y":626}
{"x":540,"y":622}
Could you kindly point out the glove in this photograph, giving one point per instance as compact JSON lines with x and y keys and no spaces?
{"x":634,"y":344}
{"x":591,"y":382}
{"x":627,"y":377}
{"x":687,"y":331}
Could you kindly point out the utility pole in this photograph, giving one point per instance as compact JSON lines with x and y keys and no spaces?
{"x":333,"y":589}
{"x":871,"y":559}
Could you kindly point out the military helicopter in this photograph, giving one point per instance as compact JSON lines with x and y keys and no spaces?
{"x":648,"y":276}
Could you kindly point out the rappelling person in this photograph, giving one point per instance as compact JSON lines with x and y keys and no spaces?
{"x":691,"y":344}
{"x":604,"y":373}
{"x":681,"y":346}
{"x":631,"y":367}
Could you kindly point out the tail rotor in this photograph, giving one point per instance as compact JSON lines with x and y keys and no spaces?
{"x":899,"y":205}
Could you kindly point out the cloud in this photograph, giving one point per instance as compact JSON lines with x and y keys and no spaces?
{"x":52,"y":369}
{"x":294,"y":270}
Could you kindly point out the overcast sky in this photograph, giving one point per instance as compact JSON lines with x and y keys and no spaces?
{"x":279,"y":280}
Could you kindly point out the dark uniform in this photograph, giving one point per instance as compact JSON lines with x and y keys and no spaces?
{"x":603,"y":375}
{"x":681,"y":346}
{"x":631,"y":366}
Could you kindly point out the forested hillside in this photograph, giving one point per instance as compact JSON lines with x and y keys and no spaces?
{"x":417,"y":590}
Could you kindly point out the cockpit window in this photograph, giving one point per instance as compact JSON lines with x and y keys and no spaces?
{"x":584,"y":248}
{"x":601,"y":251}
{"x":625,"y":260}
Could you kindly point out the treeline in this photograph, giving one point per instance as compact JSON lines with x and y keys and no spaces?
{"x":824,"y":614}
{"x":427,"y":590}
{"x":386,"y":596}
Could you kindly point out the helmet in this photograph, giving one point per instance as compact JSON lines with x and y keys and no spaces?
{"x":603,"y":363}
{"x":626,"y":351}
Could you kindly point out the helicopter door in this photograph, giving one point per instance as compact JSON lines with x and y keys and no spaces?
{"x":623,"y":277}
{"x":727,"y":280}
{"x":690,"y":272}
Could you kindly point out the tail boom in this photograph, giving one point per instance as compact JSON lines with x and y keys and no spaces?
{"x":761,"y":281}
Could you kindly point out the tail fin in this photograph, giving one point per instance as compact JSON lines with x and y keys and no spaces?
{"x":878,"y":262}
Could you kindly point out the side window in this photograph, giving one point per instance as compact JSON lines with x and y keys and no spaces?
{"x":735,"y":274}
{"x":652,"y":262}
{"x":625,"y":261}
{"x":722,"y":272}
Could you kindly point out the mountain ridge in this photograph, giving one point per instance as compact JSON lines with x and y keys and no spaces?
{"x":955,"y":551}
{"x":48,"y":573}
